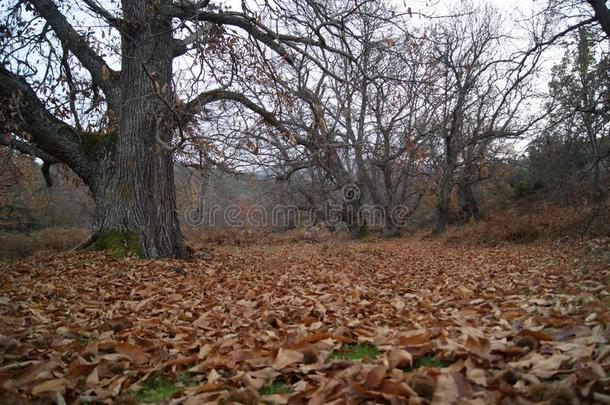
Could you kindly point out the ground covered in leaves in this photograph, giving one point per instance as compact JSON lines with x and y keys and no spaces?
{"x":401,"y":321}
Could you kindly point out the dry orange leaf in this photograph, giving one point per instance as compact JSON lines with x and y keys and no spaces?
{"x":286,"y":357}
{"x":133,"y":352}
{"x":55,"y":385}
{"x":400,"y":358}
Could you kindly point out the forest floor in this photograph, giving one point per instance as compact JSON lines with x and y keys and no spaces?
{"x":400,"y":321}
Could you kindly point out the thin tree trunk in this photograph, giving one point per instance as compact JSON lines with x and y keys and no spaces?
{"x":352,"y":216}
{"x":442,"y":213}
{"x":443,"y":197}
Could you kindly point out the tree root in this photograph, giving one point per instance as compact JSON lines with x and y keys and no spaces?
{"x":85,"y":243}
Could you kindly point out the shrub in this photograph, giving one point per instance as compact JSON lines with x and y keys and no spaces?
{"x":525,"y":187}
{"x":49,"y":239}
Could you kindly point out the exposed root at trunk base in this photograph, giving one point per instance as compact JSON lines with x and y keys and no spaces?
{"x":85,"y":243}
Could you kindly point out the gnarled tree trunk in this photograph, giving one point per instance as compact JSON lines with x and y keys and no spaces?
{"x":128,"y":171}
{"x":137,"y":194}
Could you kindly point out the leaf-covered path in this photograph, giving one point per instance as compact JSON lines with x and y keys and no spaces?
{"x":402,"y":321}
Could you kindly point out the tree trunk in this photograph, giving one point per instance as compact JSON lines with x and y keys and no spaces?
{"x":469,"y":206}
{"x":442,"y":217}
{"x":390,"y":230}
{"x":128,"y":171}
{"x":136,"y":193}
{"x":442,"y":204}
{"x":352,"y":216}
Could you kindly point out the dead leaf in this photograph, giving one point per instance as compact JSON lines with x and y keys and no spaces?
{"x":133,"y":352}
{"x":400,"y":358}
{"x":286,"y":357}
{"x":55,"y":385}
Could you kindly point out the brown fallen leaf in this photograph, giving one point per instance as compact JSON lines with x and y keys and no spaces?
{"x":375,"y":376}
{"x":451,"y":387}
{"x":207,"y":387}
{"x":414,"y":338}
{"x":286,"y":357}
{"x":253,"y":382}
{"x":92,"y":379}
{"x":55,"y":385}
{"x":180,"y":361}
{"x":114,"y":388}
{"x":400,"y":358}
{"x":275,"y":399}
{"x":550,"y":366}
{"x":133,"y":352}
{"x":34,"y":372}
{"x":447,"y":391}
{"x":79,"y":369}
{"x":540,"y":365}
{"x":213,"y":376}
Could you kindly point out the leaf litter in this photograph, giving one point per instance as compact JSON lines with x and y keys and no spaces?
{"x":398,"y":322}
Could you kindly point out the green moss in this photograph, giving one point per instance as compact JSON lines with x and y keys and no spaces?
{"x":186,"y":379}
{"x":355,"y":352}
{"x":95,"y":142}
{"x":276,"y":387}
{"x":120,"y":243}
{"x":158,"y":389}
{"x":429,"y":361}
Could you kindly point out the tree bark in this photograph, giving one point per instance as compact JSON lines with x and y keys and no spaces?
{"x":390,"y":230}
{"x":136,"y":193}
{"x":469,"y":206}
{"x":443,"y":194}
{"x":442,"y":207}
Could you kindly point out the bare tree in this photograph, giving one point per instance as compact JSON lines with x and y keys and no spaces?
{"x":481,"y":96}
{"x":106,"y":100}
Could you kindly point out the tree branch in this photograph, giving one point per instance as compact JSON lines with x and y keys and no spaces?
{"x":602,"y":14}
{"x":22,"y":113}
{"x":105,"y":14}
{"x":26,"y":148}
{"x":211,"y":96}
{"x":101,"y":74}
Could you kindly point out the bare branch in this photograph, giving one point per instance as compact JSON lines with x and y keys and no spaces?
{"x":105,"y":14}
{"x":102,"y":75}
{"x":26,"y":148}
{"x":51,"y":139}
{"x":211,"y":96}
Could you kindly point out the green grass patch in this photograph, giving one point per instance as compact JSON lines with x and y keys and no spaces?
{"x":158,"y":389}
{"x":429,"y":361}
{"x":355,"y":352}
{"x":185,"y":378}
{"x":276,"y":387}
{"x":84,"y":339}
